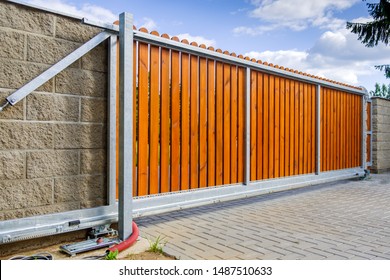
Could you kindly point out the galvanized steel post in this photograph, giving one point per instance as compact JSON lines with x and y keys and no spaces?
{"x":112,"y":102}
{"x":125,"y":125}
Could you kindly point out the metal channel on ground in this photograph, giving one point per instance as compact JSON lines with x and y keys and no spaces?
{"x":157,"y":204}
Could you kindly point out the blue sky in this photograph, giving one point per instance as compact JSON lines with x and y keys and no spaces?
{"x":306,"y":35}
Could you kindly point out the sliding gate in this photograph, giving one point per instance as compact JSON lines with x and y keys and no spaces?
{"x":230,"y":126}
{"x":190,"y":125}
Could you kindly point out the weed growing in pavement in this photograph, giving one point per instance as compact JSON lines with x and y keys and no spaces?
{"x":157,"y":245}
{"x":112,"y":255}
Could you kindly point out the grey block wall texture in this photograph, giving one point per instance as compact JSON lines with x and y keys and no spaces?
{"x":52,"y":143}
{"x":381,"y":135}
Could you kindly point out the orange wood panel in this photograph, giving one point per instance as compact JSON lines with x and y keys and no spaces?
{"x":194,"y":133}
{"x":296,"y":128}
{"x":185,"y":122}
{"x":338,"y":130}
{"x":266,"y":109}
{"x":313,"y":128}
{"x":360,"y":130}
{"x":277,"y":127}
{"x":253,"y":122}
{"x":368,"y":149}
{"x":322,"y":132}
{"x":143,"y":135}
{"x":305,"y":129}
{"x":241,"y":124}
{"x":287,"y":128}
{"x":354,"y":117}
{"x":226,"y":123}
{"x":336,"y":126}
{"x":219,"y":124}
{"x":328,"y":129}
{"x":346,"y":117}
{"x":332,"y":130}
{"x":292,"y":128}
{"x":154,"y":119}
{"x":165,"y":126}
{"x":352,"y":140}
{"x":350,"y":129}
{"x":202,"y":122}
{"x":259,"y":126}
{"x":368,"y":116}
{"x":361,"y":123}
{"x":211,"y":122}
{"x":282,"y":128}
{"x":342,"y":130}
{"x":301,"y":129}
{"x":309,"y":124}
{"x":175,"y":118}
{"x":357,"y":126}
{"x":271,"y":126}
{"x":335,"y":157}
{"x":233,"y":129}
{"x":355,"y":130}
{"x":135,"y":120}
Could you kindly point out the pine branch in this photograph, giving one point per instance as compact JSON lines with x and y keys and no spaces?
{"x":385,"y":68}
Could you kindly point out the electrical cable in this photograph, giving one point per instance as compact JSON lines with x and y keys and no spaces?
{"x":98,"y":257}
{"x":128,"y":242}
{"x":40,"y":256}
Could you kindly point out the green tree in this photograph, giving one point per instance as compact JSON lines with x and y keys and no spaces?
{"x":381,"y":91}
{"x":378,"y":30}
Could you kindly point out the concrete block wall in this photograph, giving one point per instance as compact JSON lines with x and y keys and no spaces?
{"x":381,"y":135}
{"x":52,"y":143}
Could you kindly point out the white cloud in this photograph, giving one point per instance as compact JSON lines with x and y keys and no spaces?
{"x":336,"y":55}
{"x":295,"y":15}
{"x":90,"y":11}
{"x":286,"y":58}
{"x":198,"y":39}
{"x":261,"y":29}
{"x":281,"y":10}
{"x":147,"y":23}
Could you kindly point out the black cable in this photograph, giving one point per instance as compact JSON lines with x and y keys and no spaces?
{"x":98,"y":257}
{"x":40,"y":256}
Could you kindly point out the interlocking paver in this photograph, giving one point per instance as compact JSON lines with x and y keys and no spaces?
{"x":340,"y":220}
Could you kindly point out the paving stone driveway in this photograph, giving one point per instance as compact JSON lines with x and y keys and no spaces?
{"x":344,"y":220}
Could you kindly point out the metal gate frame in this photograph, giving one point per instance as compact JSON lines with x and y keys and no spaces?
{"x":50,"y":224}
{"x":128,"y":207}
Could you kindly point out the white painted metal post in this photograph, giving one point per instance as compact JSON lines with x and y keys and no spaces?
{"x":247,"y":126}
{"x":318,"y":130}
{"x":125,"y":125}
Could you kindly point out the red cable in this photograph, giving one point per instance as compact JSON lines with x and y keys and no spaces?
{"x":128,"y":242}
